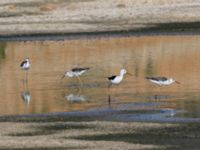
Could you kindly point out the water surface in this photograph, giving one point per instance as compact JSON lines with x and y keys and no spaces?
{"x":134,"y":99}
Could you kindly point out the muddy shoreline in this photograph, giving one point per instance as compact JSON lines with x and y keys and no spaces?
{"x":89,"y":131}
{"x":161,"y":29}
{"x":91,"y":17}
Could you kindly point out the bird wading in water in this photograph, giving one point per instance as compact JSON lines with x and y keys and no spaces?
{"x":162,"y":81}
{"x":76,"y":72}
{"x":25,"y":65}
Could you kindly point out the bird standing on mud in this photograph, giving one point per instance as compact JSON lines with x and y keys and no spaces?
{"x":162,"y":81}
{"x":76,"y":72}
{"x":25,"y":65}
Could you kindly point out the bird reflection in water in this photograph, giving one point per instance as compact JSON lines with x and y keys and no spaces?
{"x":159,"y":97}
{"x":76,"y":98}
{"x":26,"y":97}
{"x":25,"y":94}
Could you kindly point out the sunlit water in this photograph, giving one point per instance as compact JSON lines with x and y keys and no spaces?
{"x":134,"y":99}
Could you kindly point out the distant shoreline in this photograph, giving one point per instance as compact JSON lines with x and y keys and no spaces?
{"x":60,"y":20}
{"x":94,"y":35}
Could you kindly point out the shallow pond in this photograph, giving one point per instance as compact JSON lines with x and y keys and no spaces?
{"x":134,"y":99}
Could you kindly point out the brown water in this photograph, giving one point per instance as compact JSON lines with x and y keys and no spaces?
{"x":171,"y":56}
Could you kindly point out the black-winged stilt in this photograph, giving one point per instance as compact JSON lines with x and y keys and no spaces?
{"x":25,"y":65}
{"x":76,"y":72}
{"x":162,"y":81}
{"x":116,"y":79}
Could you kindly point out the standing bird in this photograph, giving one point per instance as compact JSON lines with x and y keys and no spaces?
{"x":25,"y":65}
{"x":162,"y":81}
{"x":76,"y":72}
{"x":117,"y":79}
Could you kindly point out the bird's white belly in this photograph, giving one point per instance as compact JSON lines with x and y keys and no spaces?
{"x":117,"y":80}
{"x":26,"y":66}
{"x":161,"y":82}
{"x":76,"y":74}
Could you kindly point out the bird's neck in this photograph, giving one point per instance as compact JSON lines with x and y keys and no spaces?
{"x":121,"y":75}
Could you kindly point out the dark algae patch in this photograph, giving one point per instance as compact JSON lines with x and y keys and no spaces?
{"x":182,"y":136}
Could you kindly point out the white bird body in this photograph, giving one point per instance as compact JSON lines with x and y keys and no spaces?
{"x":117,"y":79}
{"x":75,"y":72}
{"x":25,"y":65}
{"x":161,"y":81}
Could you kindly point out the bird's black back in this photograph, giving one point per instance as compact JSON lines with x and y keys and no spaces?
{"x":23,"y":62}
{"x":80,"y":69}
{"x":157,"y":78}
{"x":111,"y":77}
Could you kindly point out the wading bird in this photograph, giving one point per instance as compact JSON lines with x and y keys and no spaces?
{"x":116,"y":79}
{"x":162,"y":81}
{"x":25,"y":65}
{"x":75,"y":72}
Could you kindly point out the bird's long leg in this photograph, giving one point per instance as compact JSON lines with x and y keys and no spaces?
{"x":77,"y":90}
{"x":159,"y":91}
{"x":109,"y":85}
{"x":26,"y":76}
{"x":109,"y":100}
{"x":80,"y":81}
{"x":108,"y":92}
{"x":24,"y":86}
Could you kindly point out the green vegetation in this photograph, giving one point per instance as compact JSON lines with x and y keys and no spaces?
{"x":2,"y":50}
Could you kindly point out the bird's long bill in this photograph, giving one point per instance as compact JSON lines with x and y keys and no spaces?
{"x":177,"y":82}
{"x":62,"y":76}
{"x":129,"y":74}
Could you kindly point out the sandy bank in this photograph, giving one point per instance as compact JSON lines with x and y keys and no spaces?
{"x":76,"y":132}
{"x":97,"y":135}
{"x":82,"y":16}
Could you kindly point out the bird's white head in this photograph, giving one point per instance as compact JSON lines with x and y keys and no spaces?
{"x":69,"y":74}
{"x":27,"y":59}
{"x":172,"y":81}
{"x":123,"y":71}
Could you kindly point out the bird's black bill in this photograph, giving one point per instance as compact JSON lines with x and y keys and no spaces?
{"x":177,"y":82}
{"x":62,"y":76}
{"x":129,"y":74}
